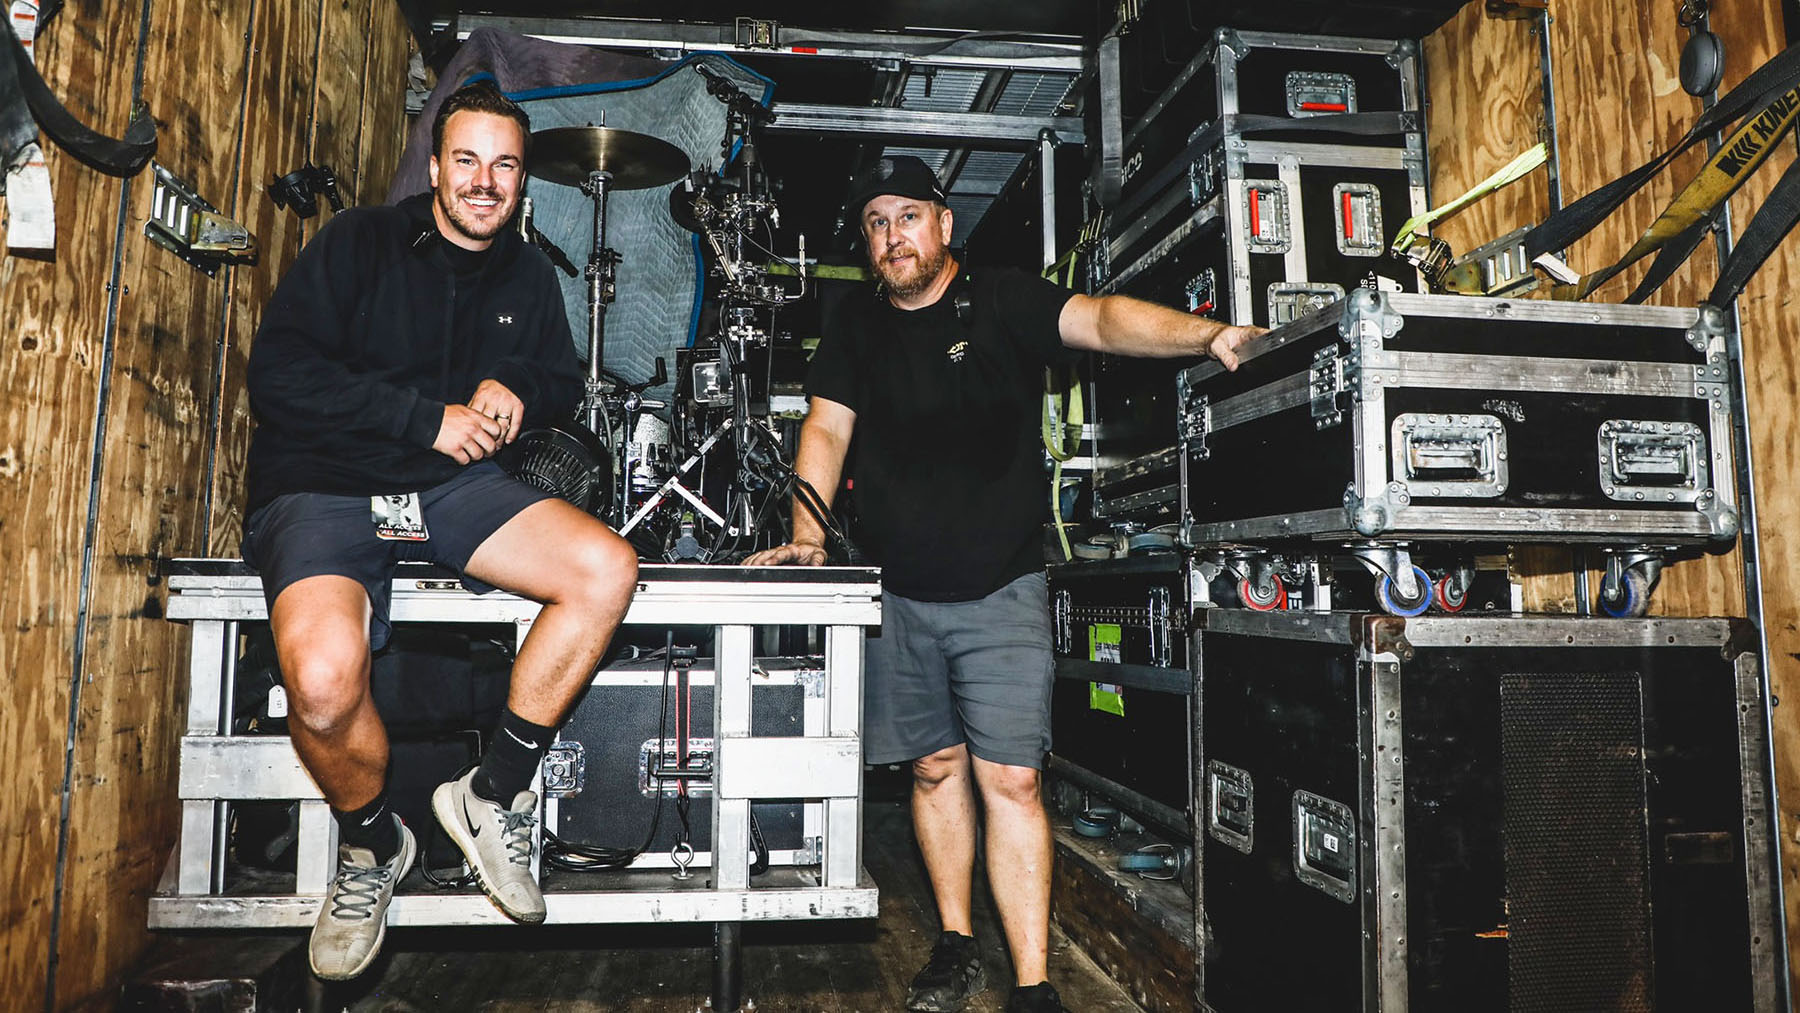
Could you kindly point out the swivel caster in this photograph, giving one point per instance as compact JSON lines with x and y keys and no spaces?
{"x":1626,"y":597}
{"x":1451,"y":592}
{"x":1391,"y":601}
{"x":1266,"y":597}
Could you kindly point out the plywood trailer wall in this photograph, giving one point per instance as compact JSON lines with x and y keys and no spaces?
{"x":1619,"y":103}
{"x":125,"y":426}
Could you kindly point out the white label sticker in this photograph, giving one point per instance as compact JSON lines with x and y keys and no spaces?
{"x":1331,"y":843}
{"x":277,"y":702}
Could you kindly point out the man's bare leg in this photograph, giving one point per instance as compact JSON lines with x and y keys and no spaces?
{"x":321,"y":628}
{"x":1018,"y":862}
{"x":945,"y":823}
{"x":584,"y":575}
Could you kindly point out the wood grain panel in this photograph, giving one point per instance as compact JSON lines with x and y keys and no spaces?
{"x":50,"y":353}
{"x":1621,"y":104}
{"x":275,"y":140}
{"x":337,"y":120}
{"x":123,"y":810}
{"x":384,"y":101}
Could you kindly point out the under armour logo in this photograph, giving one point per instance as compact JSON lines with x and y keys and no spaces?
{"x":505,"y":318}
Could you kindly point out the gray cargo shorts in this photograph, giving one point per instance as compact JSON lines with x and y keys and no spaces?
{"x":944,"y":673}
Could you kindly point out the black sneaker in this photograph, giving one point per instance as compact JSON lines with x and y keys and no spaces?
{"x":950,"y":978}
{"x":1038,"y":998}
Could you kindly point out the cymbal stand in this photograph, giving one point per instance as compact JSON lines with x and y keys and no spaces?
{"x":602,"y":266}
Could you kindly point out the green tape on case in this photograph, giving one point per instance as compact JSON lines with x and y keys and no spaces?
{"x":1103,"y":645}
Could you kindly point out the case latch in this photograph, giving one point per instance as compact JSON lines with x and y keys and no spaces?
{"x":1291,"y":300}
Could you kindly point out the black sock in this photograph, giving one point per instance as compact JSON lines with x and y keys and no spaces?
{"x":513,"y":756}
{"x":371,"y":826}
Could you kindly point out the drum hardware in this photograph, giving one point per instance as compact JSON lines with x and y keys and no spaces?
{"x":536,"y":237}
{"x":599,"y":160}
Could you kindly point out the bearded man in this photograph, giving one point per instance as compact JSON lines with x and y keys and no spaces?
{"x":939,"y":379}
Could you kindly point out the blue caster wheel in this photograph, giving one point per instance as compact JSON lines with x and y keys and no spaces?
{"x":1393,"y":604}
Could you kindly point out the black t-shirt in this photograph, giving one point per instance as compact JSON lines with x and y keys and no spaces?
{"x":951,"y":493}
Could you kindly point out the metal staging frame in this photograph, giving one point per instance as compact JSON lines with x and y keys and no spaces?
{"x":824,"y":764}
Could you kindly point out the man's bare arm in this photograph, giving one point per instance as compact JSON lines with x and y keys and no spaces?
{"x":1121,"y":325}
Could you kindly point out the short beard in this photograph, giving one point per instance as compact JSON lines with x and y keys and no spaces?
{"x":453,"y":214}
{"x":925,"y":273}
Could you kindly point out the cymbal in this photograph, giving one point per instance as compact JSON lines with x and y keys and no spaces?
{"x":567,"y":154}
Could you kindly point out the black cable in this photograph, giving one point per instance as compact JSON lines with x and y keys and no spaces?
{"x":571,"y":856}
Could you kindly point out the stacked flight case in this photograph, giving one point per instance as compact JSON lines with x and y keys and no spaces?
{"x":1482,"y":813}
{"x":1424,"y":799}
{"x":1264,"y":182}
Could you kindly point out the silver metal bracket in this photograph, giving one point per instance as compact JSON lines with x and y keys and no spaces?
{"x":185,"y":224}
{"x":1375,"y":515}
{"x":1395,"y":561}
{"x":1497,"y":269}
{"x":811,"y":682}
{"x":1712,"y":325}
{"x":1196,"y":424}
{"x":565,"y":769}
{"x":1063,"y":633}
{"x":1367,"y":315}
{"x":1161,"y":632}
{"x":1326,"y":379}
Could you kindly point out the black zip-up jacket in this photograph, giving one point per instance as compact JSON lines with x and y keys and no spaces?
{"x":358,"y":354}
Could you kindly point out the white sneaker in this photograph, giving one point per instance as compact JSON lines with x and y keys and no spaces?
{"x":497,"y":842}
{"x":353,"y":919}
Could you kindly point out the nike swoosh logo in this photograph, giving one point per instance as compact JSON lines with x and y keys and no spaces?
{"x":375,"y":817}
{"x":474,"y":829}
{"x":522,"y":742}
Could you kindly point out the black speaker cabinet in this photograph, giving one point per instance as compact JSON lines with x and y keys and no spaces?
{"x":1487,"y":813}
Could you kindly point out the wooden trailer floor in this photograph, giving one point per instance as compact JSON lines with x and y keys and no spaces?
{"x":795,"y":967}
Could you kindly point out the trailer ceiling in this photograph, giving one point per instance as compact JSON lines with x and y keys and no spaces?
{"x":896,"y":78}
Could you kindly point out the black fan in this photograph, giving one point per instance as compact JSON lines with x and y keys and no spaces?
{"x":566,"y":460}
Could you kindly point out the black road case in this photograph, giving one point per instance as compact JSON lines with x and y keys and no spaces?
{"x":1508,"y":813}
{"x":1452,"y":418}
{"x":1119,"y":708}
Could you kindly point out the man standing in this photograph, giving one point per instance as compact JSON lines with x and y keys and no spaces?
{"x":940,"y":379}
{"x":403,"y":350}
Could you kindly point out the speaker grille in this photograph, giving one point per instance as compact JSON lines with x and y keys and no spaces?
{"x":1578,"y":924}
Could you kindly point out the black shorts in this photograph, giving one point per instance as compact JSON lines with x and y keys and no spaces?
{"x":309,"y":534}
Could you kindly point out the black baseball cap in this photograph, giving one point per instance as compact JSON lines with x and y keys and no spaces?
{"x":900,"y":175}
